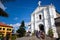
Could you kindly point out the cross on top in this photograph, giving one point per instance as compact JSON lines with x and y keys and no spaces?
{"x":39,"y":3}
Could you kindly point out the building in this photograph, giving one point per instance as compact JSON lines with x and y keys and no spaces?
{"x":57,"y":23}
{"x":5,"y":30}
{"x":42,"y":18}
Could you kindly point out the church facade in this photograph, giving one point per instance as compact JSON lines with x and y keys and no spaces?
{"x":43,"y":19}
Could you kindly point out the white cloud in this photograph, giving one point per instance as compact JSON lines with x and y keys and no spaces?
{"x":16,"y":26}
{"x":16,"y":18}
{"x":27,"y":23}
{"x":2,"y":6}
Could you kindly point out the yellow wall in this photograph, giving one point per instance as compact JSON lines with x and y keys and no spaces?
{"x":7,"y":29}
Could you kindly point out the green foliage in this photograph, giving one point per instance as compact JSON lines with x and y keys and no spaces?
{"x":33,"y":34}
{"x":21,"y":31}
{"x":13,"y":37}
{"x":50,"y":32}
{"x":1,"y":36}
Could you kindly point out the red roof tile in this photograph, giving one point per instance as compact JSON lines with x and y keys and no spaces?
{"x":5,"y":25}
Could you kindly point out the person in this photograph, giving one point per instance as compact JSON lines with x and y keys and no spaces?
{"x":42,"y":34}
{"x":37,"y":34}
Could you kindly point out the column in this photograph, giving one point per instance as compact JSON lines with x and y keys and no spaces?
{"x":46,"y":23}
{"x":53,"y":22}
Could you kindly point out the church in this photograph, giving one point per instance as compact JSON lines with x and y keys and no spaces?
{"x":43,"y":18}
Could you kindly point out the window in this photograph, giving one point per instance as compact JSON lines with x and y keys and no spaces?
{"x":39,"y":16}
{"x":0,"y":28}
{"x":9,"y":29}
{"x":3,"y":28}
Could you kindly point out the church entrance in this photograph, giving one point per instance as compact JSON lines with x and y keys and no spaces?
{"x":41,"y":33}
{"x":41,"y":27}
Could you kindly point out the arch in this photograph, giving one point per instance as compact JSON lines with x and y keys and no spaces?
{"x":41,"y":27}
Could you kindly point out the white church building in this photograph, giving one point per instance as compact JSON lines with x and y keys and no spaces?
{"x":42,"y":18}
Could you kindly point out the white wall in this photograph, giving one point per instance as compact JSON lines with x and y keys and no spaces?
{"x":48,"y":14}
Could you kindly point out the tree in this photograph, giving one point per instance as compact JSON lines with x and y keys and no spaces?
{"x":3,"y":13}
{"x":21,"y":31}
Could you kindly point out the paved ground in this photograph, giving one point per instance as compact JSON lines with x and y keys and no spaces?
{"x":33,"y":38}
{"x":27,"y":38}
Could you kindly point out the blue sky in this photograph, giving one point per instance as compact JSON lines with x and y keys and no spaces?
{"x":21,"y":10}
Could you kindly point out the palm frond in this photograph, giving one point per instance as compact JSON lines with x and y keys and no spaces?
{"x":3,"y":13}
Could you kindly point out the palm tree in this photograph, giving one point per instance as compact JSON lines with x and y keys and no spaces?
{"x":3,"y":13}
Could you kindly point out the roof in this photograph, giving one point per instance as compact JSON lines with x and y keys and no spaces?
{"x":40,"y":8}
{"x":57,"y":21}
{"x":5,"y":25}
{"x":57,"y":13}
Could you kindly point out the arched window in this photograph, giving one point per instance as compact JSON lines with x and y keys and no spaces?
{"x":39,"y":16}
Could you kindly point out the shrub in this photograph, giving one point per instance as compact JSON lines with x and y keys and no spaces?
{"x":33,"y":34}
{"x":50,"y":32}
{"x":13,"y":37}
